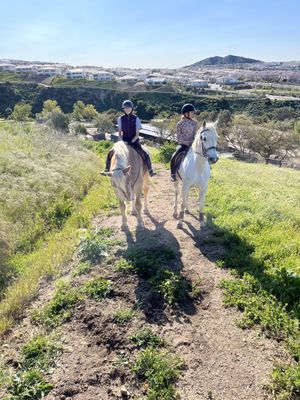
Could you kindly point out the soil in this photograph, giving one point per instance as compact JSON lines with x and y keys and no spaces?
{"x":222,"y":361}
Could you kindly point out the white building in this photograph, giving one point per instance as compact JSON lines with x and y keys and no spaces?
{"x":7,"y":67}
{"x":129,"y":79}
{"x":99,"y":75}
{"x":25,"y":69}
{"x":155,"y":81}
{"x":226,"y":80}
{"x":75,"y":73}
{"x":49,"y":70}
{"x":198,"y":83}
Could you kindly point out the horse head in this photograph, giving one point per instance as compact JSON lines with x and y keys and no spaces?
{"x":121,"y":183}
{"x":205,"y":143}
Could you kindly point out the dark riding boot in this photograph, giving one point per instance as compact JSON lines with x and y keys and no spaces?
{"x":108,"y":161}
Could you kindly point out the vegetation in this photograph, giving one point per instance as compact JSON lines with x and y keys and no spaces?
{"x":256,"y":216}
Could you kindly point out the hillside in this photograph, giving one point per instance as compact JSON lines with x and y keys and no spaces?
{"x":217,"y":60}
{"x":150,"y":313}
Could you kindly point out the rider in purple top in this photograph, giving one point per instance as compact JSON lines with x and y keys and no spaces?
{"x":129,"y":125}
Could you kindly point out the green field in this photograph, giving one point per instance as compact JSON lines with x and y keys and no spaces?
{"x":254,"y":214}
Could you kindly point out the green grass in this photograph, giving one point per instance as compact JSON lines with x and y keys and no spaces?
{"x":255,"y":212}
{"x":39,"y":353}
{"x":60,"y":308}
{"x":153,"y":264}
{"x":160,"y":370}
{"x":27,"y":385}
{"x":98,"y":288}
{"x":147,"y":338}
{"x":10,"y":77}
{"x":124,"y":315}
{"x":82,"y":268}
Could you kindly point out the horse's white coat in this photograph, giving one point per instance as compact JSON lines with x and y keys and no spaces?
{"x":195,"y":170}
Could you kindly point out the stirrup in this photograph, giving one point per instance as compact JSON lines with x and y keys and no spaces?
{"x":152,"y":173}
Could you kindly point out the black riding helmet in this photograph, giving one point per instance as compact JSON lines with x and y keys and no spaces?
{"x":127,"y":103}
{"x":187,"y":108}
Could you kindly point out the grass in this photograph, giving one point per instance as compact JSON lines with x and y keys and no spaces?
{"x":27,"y":385}
{"x":39,"y":353}
{"x":60,"y":308}
{"x":98,"y":288}
{"x":160,"y":370}
{"x":124,"y":315}
{"x":147,"y":338}
{"x":255,"y":211}
{"x":49,"y":192}
{"x":155,"y":365}
{"x":153,"y":265}
{"x":27,"y":381}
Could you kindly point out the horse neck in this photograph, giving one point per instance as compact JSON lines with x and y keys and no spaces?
{"x":196,"y":157}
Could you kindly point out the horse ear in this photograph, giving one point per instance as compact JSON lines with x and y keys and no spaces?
{"x":216,"y":123}
{"x":126,"y":170}
{"x":204,"y":123}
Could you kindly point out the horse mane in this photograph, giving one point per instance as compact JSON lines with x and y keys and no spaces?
{"x":121,"y":154}
{"x":197,"y":141}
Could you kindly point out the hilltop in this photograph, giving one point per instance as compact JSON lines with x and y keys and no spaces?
{"x":230,"y":59}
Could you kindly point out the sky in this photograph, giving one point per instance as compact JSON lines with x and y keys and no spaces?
{"x":148,"y":34}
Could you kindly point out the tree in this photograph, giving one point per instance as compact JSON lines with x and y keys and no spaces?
{"x":48,"y":106}
{"x":57,"y":120}
{"x":238,"y":133}
{"x":90,"y":112}
{"x":78,"y":110}
{"x":276,"y":142}
{"x":104,"y":123}
{"x":22,"y":112}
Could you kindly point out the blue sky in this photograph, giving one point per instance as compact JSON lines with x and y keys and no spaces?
{"x":155,"y":33}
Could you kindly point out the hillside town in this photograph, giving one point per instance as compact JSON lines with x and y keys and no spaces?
{"x":199,"y":75}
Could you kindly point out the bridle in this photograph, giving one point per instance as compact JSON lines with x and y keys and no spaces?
{"x":204,"y":149}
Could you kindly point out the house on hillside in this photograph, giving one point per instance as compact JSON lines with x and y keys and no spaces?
{"x":7,"y":67}
{"x":95,"y":75}
{"x":226,"y":80}
{"x":75,"y":73}
{"x":26,"y":69}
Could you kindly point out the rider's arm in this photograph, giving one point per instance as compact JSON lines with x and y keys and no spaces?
{"x":120,"y":128}
{"x":138,"y":127}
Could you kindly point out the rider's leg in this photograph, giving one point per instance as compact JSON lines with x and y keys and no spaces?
{"x":180,"y":149}
{"x":137,"y":146}
{"x":108,"y":160}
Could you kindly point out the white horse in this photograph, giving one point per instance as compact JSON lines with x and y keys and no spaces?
{"x":129,"y":179}
{"x":195,"y":169}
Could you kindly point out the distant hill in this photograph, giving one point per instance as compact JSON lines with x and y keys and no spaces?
{"x":230,"y":59}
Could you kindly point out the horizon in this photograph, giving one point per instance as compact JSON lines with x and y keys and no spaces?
{"x":162,"y":35}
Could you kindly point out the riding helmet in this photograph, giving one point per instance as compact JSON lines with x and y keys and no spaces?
{"x":187,"y":108}
{"x":127,"y":103}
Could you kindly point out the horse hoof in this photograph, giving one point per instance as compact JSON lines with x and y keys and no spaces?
{"x":187,"y":212}
{"x":175,"y":215}
{"x":179,"y":225}
{"x":133,"y":212}
{"x":124,"y":227}
{"x":146,"y":211}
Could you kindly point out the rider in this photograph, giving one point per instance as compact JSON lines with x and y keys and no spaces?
{"x":185,"y":131}
{"x":129,"y":126}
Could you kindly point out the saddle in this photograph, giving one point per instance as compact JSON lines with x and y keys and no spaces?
{"x":178,"y":159}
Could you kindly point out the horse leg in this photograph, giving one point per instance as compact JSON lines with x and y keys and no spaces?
{"x":175,"y":210}
{"x":202,"y":194}
{"x":133,"y":208}
{"x":146,"y":191}
{"x":138,"y":205}
{"x":122,"y":205}
{"x":185,"y":194}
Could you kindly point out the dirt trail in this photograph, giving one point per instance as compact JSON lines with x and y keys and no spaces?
{"x":223,"y":362}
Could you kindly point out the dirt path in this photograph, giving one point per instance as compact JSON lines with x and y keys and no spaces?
{"x":223,"y":362}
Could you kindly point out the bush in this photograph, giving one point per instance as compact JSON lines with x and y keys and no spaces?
{"x":166,"y":151}
{"x":57,"y":120}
